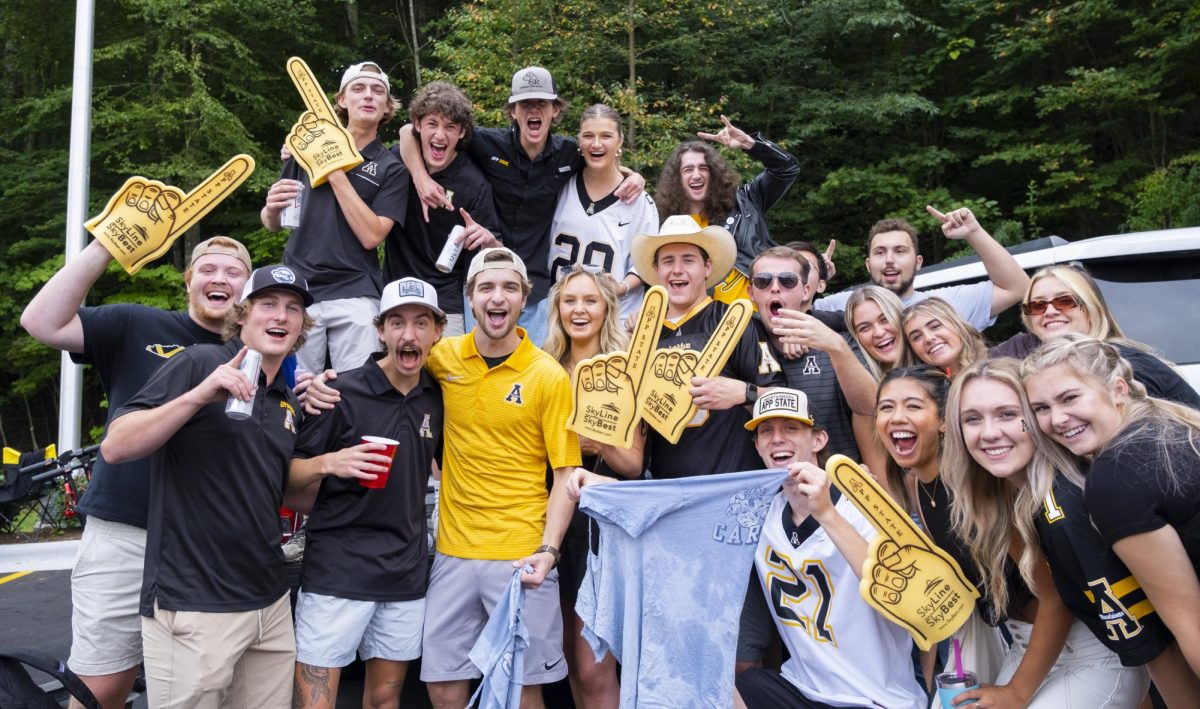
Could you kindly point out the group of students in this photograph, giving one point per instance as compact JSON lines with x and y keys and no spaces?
{"x":1004,"y":463}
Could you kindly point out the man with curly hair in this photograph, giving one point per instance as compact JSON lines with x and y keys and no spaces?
{"x":696,"y":180}
{"x":342,"y":223}
{"x":442,"y":122}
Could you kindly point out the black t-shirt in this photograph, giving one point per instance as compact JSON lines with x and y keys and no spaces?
{"x":715,"y":441}
{"x":1128,"y":492}
{"x":212,"y":541}
{"x":813,"y":374}
{"x":935,"y":504}
{"x":369,"y":544}
{"x":126,"y":344}
{"x":413,"y":249}
{"x":1094,"y":584}
{"x":526,"y":193}
{"x":324,"y":248}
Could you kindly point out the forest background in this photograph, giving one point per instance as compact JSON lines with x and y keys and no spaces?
{"x":1045,"y":117}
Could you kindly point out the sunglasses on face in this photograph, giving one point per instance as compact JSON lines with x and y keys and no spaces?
{"x":787,"y":280}
{"x":1061,"y":303}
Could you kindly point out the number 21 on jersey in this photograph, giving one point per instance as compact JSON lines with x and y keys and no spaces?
{"x":801,"y":599}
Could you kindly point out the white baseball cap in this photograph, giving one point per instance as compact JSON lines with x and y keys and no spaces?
{"x":409,"y":291}
{"x":361,"y":71}
{"x":780,"y":404}
{"x":512,"y":263}
{"x":533,"y":82}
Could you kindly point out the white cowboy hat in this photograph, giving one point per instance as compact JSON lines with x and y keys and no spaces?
{"x":716,"y":241}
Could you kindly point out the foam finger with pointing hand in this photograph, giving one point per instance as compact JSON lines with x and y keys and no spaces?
{"x":664,"y":399}
{"x":605,"y":406}
{"x":318,"y":141}
{"x":906,"y":577}
{"x":144,"y":217}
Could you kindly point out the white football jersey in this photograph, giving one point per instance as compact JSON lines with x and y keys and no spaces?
{"x":843,"y":653}
{"x":599,"y":233}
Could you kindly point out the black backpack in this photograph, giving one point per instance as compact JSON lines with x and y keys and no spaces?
{"x":19,"y":691}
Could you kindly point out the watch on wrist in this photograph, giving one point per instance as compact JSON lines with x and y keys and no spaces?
{"x":751,"y":393}
{"x":551,"y":550}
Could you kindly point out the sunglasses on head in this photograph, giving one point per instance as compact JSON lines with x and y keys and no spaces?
{"x":787,"y":280}
{"x":1061,"y":303}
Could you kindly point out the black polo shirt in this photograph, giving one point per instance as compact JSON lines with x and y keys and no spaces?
{"x":212,"y":541}
{"x":413,"y":249}
{"x":526,"y":193}
{"x":370,"y":544}
{"x":126,"y":344}
{"x":324,"y":248}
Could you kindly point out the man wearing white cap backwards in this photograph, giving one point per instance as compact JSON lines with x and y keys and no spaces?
{"x":809,"y":558}
{"x":342,"y":223}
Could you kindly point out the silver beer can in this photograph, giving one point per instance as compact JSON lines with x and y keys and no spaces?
{"x":290,"y":216}
{"x":235,"y":408}
{"x":450,"y":252}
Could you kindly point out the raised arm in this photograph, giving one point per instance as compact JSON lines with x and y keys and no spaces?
{"x":429,"y":191}
{"x":780,"y":168}
{"x":1008,"y":278}
{"x":52,"y":317}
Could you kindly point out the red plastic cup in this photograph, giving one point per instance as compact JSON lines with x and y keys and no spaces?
{"x":389,"y":451}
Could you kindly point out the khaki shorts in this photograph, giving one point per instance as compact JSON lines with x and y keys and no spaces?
{"x":106,"y":586}
{"x":241,"y":660}
{"x":460,"y":599}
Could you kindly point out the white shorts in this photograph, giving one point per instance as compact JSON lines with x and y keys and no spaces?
{"x":345,"y":328}
{"x":1086,"y":674}
{"x":106,"y":587}
{"x":329,"y":630}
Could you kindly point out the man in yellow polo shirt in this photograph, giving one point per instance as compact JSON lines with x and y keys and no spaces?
{"x":507,"y":404}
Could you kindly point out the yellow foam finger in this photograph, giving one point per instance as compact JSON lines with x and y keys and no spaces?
{"x":664,"y":400}
{"x":646,"y":332}
{"x":310,"y":91}
{"x":144,"y":217}
{"x":906,"y":577}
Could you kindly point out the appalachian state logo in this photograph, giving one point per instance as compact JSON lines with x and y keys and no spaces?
{"x":165,"y":351}
{"x":514,"y":396}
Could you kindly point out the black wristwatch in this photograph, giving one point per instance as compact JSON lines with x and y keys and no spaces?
{"x":751,"y":393}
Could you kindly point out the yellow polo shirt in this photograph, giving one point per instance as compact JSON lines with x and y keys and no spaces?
{"x":502,"y":426}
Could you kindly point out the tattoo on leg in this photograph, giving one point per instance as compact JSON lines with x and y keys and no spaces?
{"x":317,"y":679}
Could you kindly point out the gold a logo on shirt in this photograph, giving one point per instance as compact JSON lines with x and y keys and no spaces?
{"x":165,"y":351}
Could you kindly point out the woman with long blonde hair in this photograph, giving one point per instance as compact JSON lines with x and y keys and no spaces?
{"x":1143,"y":483}
{"x":584,"y":322}
{"x":937,"y":335}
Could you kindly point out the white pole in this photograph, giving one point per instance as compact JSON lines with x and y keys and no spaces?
{"x":71,"y":377}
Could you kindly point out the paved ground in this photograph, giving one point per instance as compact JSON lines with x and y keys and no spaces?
{"x":35,"y":613}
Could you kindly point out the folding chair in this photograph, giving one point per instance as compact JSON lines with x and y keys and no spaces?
{"x":21,"y":498}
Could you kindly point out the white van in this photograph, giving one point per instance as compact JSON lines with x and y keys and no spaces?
{"x":1151,"y":280}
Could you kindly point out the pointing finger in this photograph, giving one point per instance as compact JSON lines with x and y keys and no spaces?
{"x":936,"y":214}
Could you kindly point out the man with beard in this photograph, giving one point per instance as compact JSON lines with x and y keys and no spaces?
{"x":494,"y":513}
{"x":893,"y":259}
{"x":527,"y":166}
{"x":365,"y":568}
{"x":342,"y":224}
{"x":215,"y":614}
{"x":125,"y":343}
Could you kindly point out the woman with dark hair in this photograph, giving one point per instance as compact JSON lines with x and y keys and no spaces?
{"x":1064,"y":298}
{"x":696,"y":180}
{"x":1143,"y":486}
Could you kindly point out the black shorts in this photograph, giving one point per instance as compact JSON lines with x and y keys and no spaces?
{"x":767,"y":689}
{"x":572,"y":565}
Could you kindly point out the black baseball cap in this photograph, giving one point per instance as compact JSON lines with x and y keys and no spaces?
{"x":278,"y":277}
